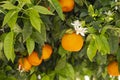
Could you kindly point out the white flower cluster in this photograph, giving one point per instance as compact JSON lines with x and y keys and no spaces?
{"x":78,"y":28}
{"x":116,"y":7}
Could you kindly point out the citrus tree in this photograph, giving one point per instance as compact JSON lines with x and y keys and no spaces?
{"x":59,"y":39}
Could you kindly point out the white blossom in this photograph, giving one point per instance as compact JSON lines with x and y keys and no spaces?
{"x":116,"y":7}
{"x":20,"y":69}
{"x":39,"y":77}
{"x":78,"y":28}
{"x":109,"y":13}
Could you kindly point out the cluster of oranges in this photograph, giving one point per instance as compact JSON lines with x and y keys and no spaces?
{"x":33,"y":59}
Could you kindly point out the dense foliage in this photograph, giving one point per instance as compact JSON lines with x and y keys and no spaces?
{"x":26,"y":25}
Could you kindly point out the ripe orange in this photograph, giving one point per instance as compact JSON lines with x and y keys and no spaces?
{"x":46,"y":51}
{"x":24,"y":64}
{"x":34,"y":59}
{"x":72,"y":42}
{"x":112,"y":68}
{"x":67,"y":5}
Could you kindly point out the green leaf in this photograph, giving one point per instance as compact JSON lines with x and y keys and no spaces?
{"x":27,"y":30}
{"x":8,"y":5}
{"x":42,"y":10}
{"x":40,"y":38}
{"x":10,"y":78}
{"x":105,"y":47}
{"x":91,"y":50}
{"x":2,"y":76}
{"x":91,"y":10}
{"x":12,"y":21}
{"x":98,"y":42}
{"x":62,"y":51}
{"x":52,"y":75}
{"x":62,"y":78}
{"x":9,"y":46}
{"x":33,"y":77}
{"x":35,"y":19}
{"x":25,"y":1}
{"x":113,"y":42}
{"x":10,"y":18}
{"x":118,"y":57}
{"x":67,"y":71}
{"x":61,"y":64}
{"x":58,"y":8}
{"x":79,"y":2}
{"x":46,"y":77}
{"x":30,"y":45}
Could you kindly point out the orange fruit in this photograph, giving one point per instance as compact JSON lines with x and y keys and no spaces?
{"x":46,"y":51}
{"x":34,"y":59}
{"x":72,"y":42}
{"x":67,"y":5}
{"x":112,"y":68}
{"x":24,"y":64}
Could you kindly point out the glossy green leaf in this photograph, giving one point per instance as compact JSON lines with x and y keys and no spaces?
{"x":118,"y":57}
{"x":62,"y":51}
{"x":62,"y":78}
{"x":27,"y":30}
{"x":40,"y":38}
{"x":98,"y":42}
{"x":10,"y":18}
{"x":105,"y":45}
{"x":61,"y":64}
{"x":9,"y":46}
{"x":33,"y":77}
{"x":30,"y":45}
{"x":25,"y":1}
{"x":91,"y":10}
{"x":12,"y":21}
{"x":58,"y":8}
{"x":79,"y":2}
{"x":46,"y":77}
{"x":91,"y":50}
{"x":67,"y":71}
{"x":113,"y":43}
{"x":8,"y":5}
{"x":35,"y":19}
{"x":42,"y":10}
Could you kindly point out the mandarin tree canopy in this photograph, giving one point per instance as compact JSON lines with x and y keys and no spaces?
{"x":26,"y":26}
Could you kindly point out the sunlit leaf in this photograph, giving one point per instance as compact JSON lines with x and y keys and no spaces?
{"x":98,"y":42}
{"x":35,"y":19}
{"x":62,"y":51}
{"x":113,"y":43}
{"x":46,"y":77}
{"x":25,"y":1}
{"x":91,"y":10}
{"x":105,"y":45}
{"x":33,"y":77}
{"x":67,"y":71}
{"x":91,"y":50}
{"x":27,"y":30}
{"x":30,"y":45}
{"x":61,"y":63}
{"x":8,"y":5}
{"x":42,"y":10}
{"x":39,"y":37}
{"x":57,"y":7}
{"x":12,"y":21}
{"x":10,"y":18}
{"x":9,"y":46}
{"x":62,"y":78}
